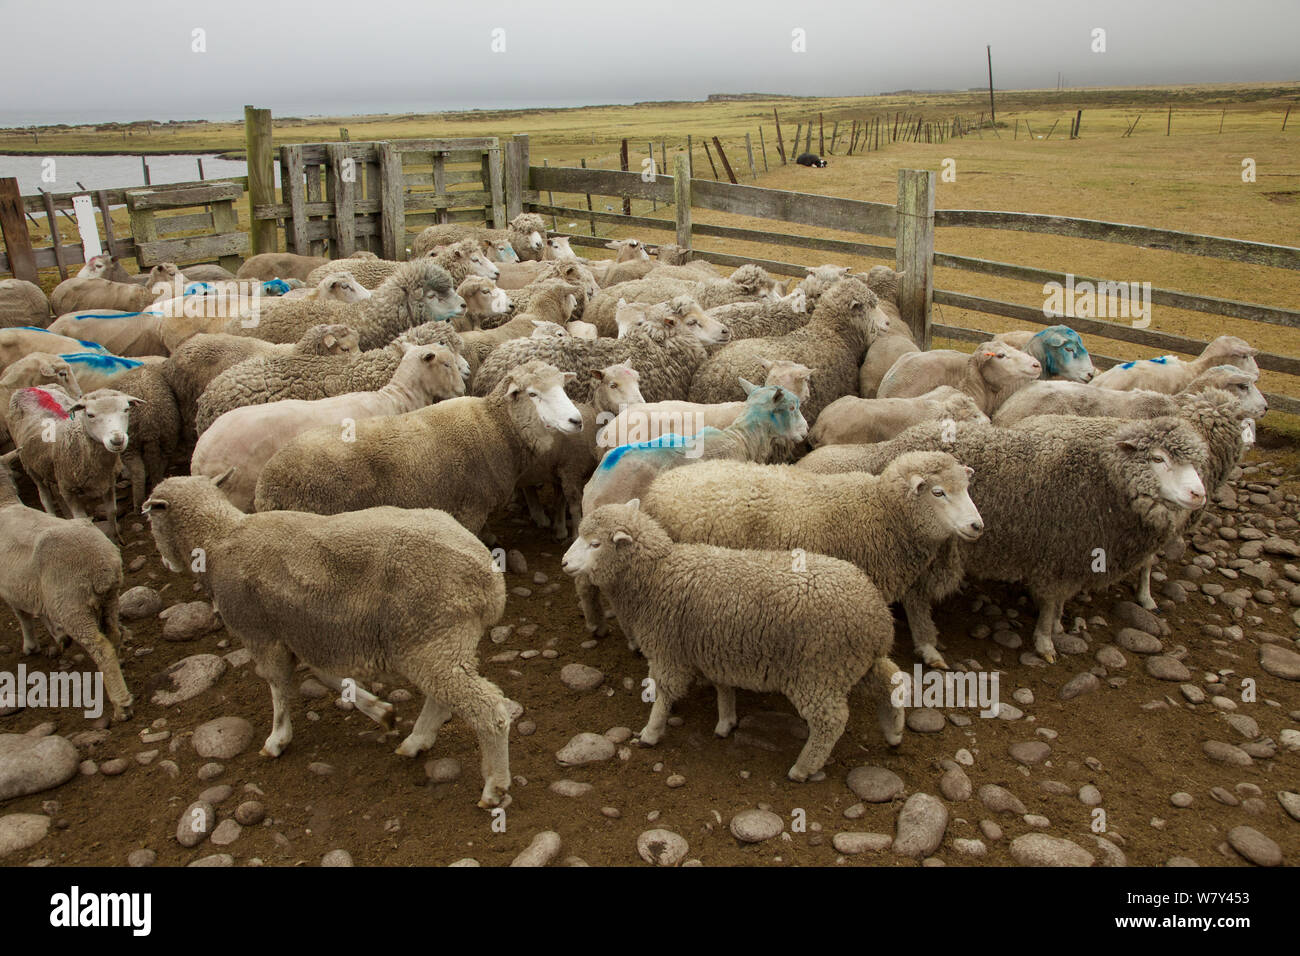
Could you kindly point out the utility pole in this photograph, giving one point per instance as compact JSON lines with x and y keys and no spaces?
{"x":993,"y":119}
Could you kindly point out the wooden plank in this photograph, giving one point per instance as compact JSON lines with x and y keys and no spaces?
{"x":466,"y":145}
{"x":717,"y":144}
{"x":773,"y":266}
{"x":87,"y":228}
{"x":292,"y":185}
{"x":682,"y":197}
{"x":496,"y":186}
{"x":19,"y":257}
{"x":1165,"y":341}
{"x":749,"y":150}
{"x":1237,"y":250}
{"x":420,"y":220}
{"x":439,"y":175}
{"x":632,"y":222}
{"x":258,"y":148}
{"x":55,"y":242}
{"x":840,"y":246}
{"x":451,"y":200}
{"x":105,"y":213}
{"x":345,"y":212}
{"x":315,"y":192}
{"x":591,"y":219}
{"x":225,"y":221}
{"x":171,"y":225}
{"x":623,"y":166}
{"x":601,"y":182}
{"x":827,"y":212}
{"x":392,"y":203}
{"x":177,"y":197}
{"x":516,"y":175}
{"x":915,"y":251}
{"x":445,"y":178}
{"x":194,"y":249}
{"x":1178,"y":300}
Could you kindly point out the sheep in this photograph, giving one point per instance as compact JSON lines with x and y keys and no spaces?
{"x":15,"y":343}
{"x":747,"y":284}
{"x":418,"y":292}
{"x":1058,"y":349}
{"x":155,"y":427}
{"x":198,"y":360}
{"x":269,"y":378}
{"x":23,"y":303}
{"x":1064,"y":511}
{"x":989,"y":375}
{"x":569,"y":270}
{"x":752,"y":320}
{"x":832,"y":343}
{"x":548,"y":330}
{"x":554,"y":303}
{"x":665,"y":351}
{"x":631,"y":261}
{"x":891,"y":339}
{"x":570,"y":459}
{"x":67,"y":575}
{"x":582,"y":330}
{"x":77,"y":294}
{"x":486,"y":306}
{"x":466,"y":258}
{"x":648,"y":420}
{"x":896,"y":525}
{"x":1169,"y":373}
{"x":526,"y":234}
{"x":246,"y":438}
{"x":128,"y":334}
{"x":824,"y":626}
{"x":94,"y":370}
{"x":375,"y":592}
{"x":72,"y":446}
{"x":339,"y":286}
{"x":38,"y":369}
{"x":856,"y":421}
{"x":557,"y":247}
{"x":821,"y":279}
{"x":279,"y":265}
{"x":463,"y":456}
{"x":885,"y":283}
{"x":105,"y":266}
{"x":770,"y":413}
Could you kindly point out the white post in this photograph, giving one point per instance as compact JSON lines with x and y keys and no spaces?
{"x":84,"y":210}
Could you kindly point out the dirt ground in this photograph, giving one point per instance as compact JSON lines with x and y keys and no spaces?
{"x":1135,"y":738}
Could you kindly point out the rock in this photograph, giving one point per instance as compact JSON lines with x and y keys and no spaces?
{"x":188,"y":622}
{"x":1163,"y":667}
{"x":991,"y":830}
{"x":32,"y":764}
{"x":225,"y":833}
{"x":585,"y":748}
{"x":1282,"y":546}
{"x":114,"y":768}
{"x":1192,"y":694}
{"x":570,"y":788}
{"x":969,"y":847}
{"x":755,"y":826}
{"x":875,"y":784}
{"x":1246,"y":726}
{"x":1182,"y":799}
{"x":925,"y":720}
{"x":1139,"y":642}
{"x":516,"y":562}
{"x":1000,"y":800}
{"x":18,"y":831}
{"x":195,"y":823}
{"x":250,"y":813}
{"x":216,"y":859}
{"x":661,"y":847}
{"x":1290,"y":803}
{"x":1029,"y":752}
{"x":139,"y":603}
{"x":222,"y":738}
{"x":1255,"y":846}
{"x":141,"y":858}
{"x":1079,"y":684}
{"x":853,"y":843}
{"x":544,"y":848}
{"x":921,"y":825}
{"x":955,"y":785}
{"x":1135,"y":615}
{"x":1110,"y":657}
{"x":339,"y":858}
{"x":1089,"y":795}
{"x":1111,"y":854}
{"x":465,"y":861}
{"x":580,"y":677}
{"x":1279,"y":661}
{"x":1226,"y":754}
{"x":442,"y":770}
{"x":1040,"y":849}
{"x":187,"y":678}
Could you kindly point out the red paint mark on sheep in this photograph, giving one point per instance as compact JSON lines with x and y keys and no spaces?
{"x":48,"y":402}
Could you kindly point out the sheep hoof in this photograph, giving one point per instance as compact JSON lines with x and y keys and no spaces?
{"x":724,"y":727}
{"x":932,"y":658}
{"x":1148,"y":602}
{"x":797,"y":775}
{"x":271,"y":748}
{"x":409,"y":748}
{"x":122,"y":713}
{"x":647,"y":737}
{"x":388,"y":717}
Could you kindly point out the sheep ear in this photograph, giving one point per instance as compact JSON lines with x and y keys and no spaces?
{"x":330,"y":341}
{"x":537,"y":321}
{"x":597,"y":374}
{"x":132,"y":402}
{"x":747,"y":385}
{"x":224,"y":476}
{"x":47,"y":369}
{"x":76,"y":407}
{"x":428,"y":356}
{"x":969,"y":471}
{"x":621,"y":538}
{"x":622,"y":303}
{"x":153,"y":504}
{"x":611,"y":245}
{"x":568,"y":377}
{"x":916,"y":483}
{"x":634,"y":504}
{"x":405,"y":345}
{"x":900,"y":275}
{"x":767,"y":363}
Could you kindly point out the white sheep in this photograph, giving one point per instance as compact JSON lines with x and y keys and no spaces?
{"x":1169,"y":373}
{"x":246,"y":438}
{"x":582,"y":330}
{"x":118,"y":332}
{"x":65,"y":574}
{"x":851,"y":420}
{"x":822,"y":629}
{"x":371,"y":593}
{"x":486,"y":306}
{"x":989,"y":375}
{"x":23,"y":303}
{"x":15,"y":343}
{"x":36,"y":370}
{"x":557,"y":247}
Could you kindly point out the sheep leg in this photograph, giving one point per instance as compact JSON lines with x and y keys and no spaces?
{"x":535,"y":510}
{"x":425,"y":731}
{"x":25,"y":623}
{"x":1049,"y":619}
{"x":1144,"y":585}
{"x":101,"y":652}
{"x":274,"y":664}
{"x":924,"y":633}
{"x":48,"y":501}
{"x":827,"y":718}
{"x":138,"y":473}
{"x":560,"y":522}
{"x":110,"y":508}
{"x":588,"y":601}
{"x":378,"y":710}
{"x":669,"y":686}
{"x":882,"y":683}
{"x":726,"y":709}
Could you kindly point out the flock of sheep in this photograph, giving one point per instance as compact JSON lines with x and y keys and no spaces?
{"x":749,"y":474}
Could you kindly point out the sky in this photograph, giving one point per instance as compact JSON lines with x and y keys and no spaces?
{"x":136,"y":59}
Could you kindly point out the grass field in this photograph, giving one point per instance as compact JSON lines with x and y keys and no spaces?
{"x":1189,"y":180}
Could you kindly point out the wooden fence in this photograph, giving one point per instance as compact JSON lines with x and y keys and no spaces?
{"x":911,"y":223}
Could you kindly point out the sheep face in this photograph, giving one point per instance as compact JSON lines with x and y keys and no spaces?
{"x":1064,"y":355}
{"x":777,"y":405}
{"x":1230,"y":350}
{"x":617,"y":386}
{"x":628,"y":315}
{"x":557,"y":247}
{"x":441,"y":302}
{"x":791,"y":376}
{"x":435,"y":370}
{"x":628,"y":250}
{"x":1250,"y":400}
{"x":536,"y":395}
{"x":548,"y":330}
{"x":698,"y":322}
{"x":344,"y":287}
{"x":56,"y":371}
{"x":574,"y":273}
{"x":1004,"y":367}
{"x":1158,"y":459}
{"x":95,"y":268}
{"x":501,"y":250}
{"x":938,"y":483}
{"x":105,"y":415}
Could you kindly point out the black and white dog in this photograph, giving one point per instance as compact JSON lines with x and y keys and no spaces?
{"x":811,"y":159}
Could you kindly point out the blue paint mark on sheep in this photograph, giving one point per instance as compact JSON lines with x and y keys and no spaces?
{"x":276,"y":287}
{"x":92,"y":346}
{"x":668,"y":440}
{"x":1160,"y":360}
{"x":101,"y":362}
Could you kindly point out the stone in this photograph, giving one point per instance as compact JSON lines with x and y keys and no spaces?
{"x":755,"y":826}
{"x":1110,"y":657}
{"x":853,"y":843}
{"x":1290,"y":803}
{"x":139,"y":603}
{"x":222,"y":738}
{"x":195,"y":823}
{"x":1000,"y":800}
{"x":570,"y":788}
{"x":18,"y":831}
{"x":1079,"y":684}
{"x":921,"y":825}
{"x":585,"y":748}
{"x":1164,"y":667}
{"x":955,"y":785}
{"x":1135,"y":615}
{"x":141,"y":858}
{"x":250,"y":813}
{"x":225,"y":833}
{"x":1041,"y":849}
{"x":187,"y":678}
{"x":661,"y":847}
{"x":1279,"y":661}
{"x":442,"y":770}
{"x":580,"y":677}
{"x":875,"y":784}
{"x":1139,"y":642}
{"x":189,"y":621}
{"x":339,"y":858}
{"x":1255,"y":846}
{"x":1029,"y":752}
{"x":925,"y":720}
{"x":32,"y":764}
{"x":1226,"y":754}
{"x":216,"y":859}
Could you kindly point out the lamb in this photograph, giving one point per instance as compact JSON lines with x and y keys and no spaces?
{"x":891,"y":339}
{"x":665,"y":351}
{"x":155,"y":427}
{"x":246,"y":438}
{"x":555,"y":302}
{"x":1059,"y":351}
{"x":418,"y":292}
{"x":36,"y":370}
{"x":77,"y":293}
{"x":15,"y":343}
{"x":65,"y":574}
{"x":648,"y":420}
{"x":885,"y":283}
{"x":569,"y":270}
{"x":824,"y":627}
{"x":269,"y":378}
{"x":989,"y":375}
{"x":23,"y":303}
{"x":105,"y":266}
{"x":897,"y":526}
{"x":128,"y":334}
{"x":856,"y":421}
{"x":771,"y":317}
{"x":582,"y":330}
{"x":375,"y":592}
{"x":746,"y":284}
{"x":1169,"y":373}
{"x":279,"y":265}
{"x":526,"y":235}
{"x":821,"y":279}
{"x":197,"y":361}
{"x":557,"y":247}
{"x":486,"y":306}
{"x":833,"y":343}
{"x":72,"y":446}
{"x":570,"y":459}
{"x":1064,"y":512}
{"x":463,"y":456}
{"x":631,"y":261}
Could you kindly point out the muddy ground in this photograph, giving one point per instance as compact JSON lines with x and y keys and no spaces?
{"x":1135,"y":738}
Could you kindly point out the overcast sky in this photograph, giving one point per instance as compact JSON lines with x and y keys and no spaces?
{"x":133,"y":59}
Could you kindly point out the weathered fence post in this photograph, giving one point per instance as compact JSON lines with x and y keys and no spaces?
{"x":343,"y":195}
{"x":726,"y":166}
{"x":495,"y":186}
{"x":780,"y":143}
{"x":682,"y":200}
{"x":516,"y":174}
{"x":392,"y":203}
{"x":623,"y":165}
{"x":914,"y":251}
{"x":261,"y":177}
{"x":749,"y":149}
{"x":18,"y":243}
{"x":592,"y":225}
